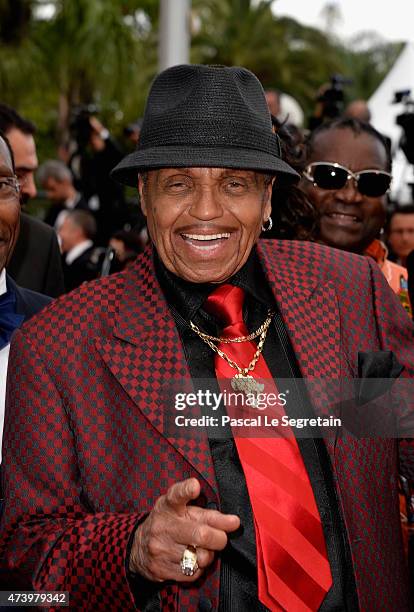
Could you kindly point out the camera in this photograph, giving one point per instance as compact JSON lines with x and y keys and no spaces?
{"x":80,"y":126}
{"x":330,"y":101}
{"x":333,"y":97}
{"x":401,"y":96}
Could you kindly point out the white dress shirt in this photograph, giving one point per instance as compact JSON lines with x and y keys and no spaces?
{"x":77,"y":251}
{"x":4,"y":358}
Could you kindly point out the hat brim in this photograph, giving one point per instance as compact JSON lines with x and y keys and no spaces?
{"x":127,"y":170}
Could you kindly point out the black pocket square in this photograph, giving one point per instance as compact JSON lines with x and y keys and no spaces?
{"x":380,"y":365}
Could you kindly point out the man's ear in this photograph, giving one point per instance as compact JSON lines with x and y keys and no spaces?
{"x":141,"y":191}
{"x":268,"y":202}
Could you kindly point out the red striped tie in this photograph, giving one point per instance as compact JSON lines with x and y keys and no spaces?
{"x":292,"y":562}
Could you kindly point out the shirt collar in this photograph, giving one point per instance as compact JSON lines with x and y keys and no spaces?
{"x":188,"y":297}
{"x":3,"y":285}
{"x":77,"y":251}
{"x":70,"y":203}
{"x":378,"y":251}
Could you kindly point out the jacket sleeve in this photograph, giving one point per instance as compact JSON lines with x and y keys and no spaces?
{"x":50,"y":539}
{"x":396,"y":333}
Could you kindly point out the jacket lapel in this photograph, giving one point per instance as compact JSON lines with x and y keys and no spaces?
{"x":145,"y":355}
{"x":309,"y":308}
{"x":308,"y":304}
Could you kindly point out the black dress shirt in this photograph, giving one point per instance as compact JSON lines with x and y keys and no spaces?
{"x":238,"y":579}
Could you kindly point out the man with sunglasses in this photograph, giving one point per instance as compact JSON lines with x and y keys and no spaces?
{"x":346,"y":177}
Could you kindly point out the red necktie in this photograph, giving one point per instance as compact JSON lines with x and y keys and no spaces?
{"x":292,"y":562}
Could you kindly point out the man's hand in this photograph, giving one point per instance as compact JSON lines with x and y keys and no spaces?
{"x":171,"y":526}
{"x":98,"y":134}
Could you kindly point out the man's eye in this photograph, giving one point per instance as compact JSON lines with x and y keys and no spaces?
{"x":236,"y":185}
{"x":177,"y":185}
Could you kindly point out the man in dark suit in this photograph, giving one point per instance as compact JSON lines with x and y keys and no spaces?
{"x":35,"y":263}
{"x":81,"y":259}
{"x":112,"y":498}
{"x":16,"y":304}
{"x":57,"y":181}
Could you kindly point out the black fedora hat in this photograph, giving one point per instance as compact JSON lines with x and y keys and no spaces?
{"x":205,"y":116}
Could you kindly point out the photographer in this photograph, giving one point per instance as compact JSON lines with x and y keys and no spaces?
{"x":95,"y":156}
{"x":329,"y":101}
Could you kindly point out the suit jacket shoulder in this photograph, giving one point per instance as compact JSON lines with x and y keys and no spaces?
{"x":28,"y":303}
{"x":325,"y":262}
{"x":336,"y":292}
{"x":357,"y":279}
{"x":87,"y":309}
{"x":36,"y":262}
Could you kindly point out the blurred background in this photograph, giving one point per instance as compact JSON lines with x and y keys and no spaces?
{"x":58,"y":56}
{"x":64,"y":60}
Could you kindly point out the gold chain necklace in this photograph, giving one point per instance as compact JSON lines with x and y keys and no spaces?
{"x":242,"y":381}
{"x":251,"y":336}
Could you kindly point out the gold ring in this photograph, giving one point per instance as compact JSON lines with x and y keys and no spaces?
{"x":189,"y":564}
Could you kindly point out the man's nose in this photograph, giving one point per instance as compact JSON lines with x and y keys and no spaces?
{"x":350,"y":192}
{"x":206,"y":204}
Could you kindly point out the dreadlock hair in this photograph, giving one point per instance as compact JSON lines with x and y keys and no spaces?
{"x":294,"y":217}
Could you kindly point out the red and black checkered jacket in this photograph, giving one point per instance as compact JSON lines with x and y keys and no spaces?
{"x":85,"y":456}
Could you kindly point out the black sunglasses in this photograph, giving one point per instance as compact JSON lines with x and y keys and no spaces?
{"x":325,"y":175}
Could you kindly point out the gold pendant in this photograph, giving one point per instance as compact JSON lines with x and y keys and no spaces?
{"x":247,"y":385}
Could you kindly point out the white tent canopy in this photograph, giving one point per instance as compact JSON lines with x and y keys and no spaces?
{"x":399,"y":78}
{"x":384,"y":114}
{"x":290,"y":108}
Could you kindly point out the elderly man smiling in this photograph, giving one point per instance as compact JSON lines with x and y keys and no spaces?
{"x":103,"y":500}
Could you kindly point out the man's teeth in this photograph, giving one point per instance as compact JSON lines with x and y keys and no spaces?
{"x":343,"y":216}
{"x":203,"y":237}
